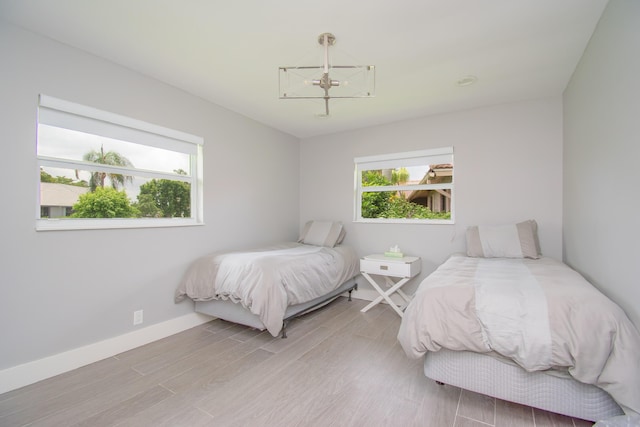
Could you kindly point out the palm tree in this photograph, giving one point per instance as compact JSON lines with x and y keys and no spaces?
{"x":110,"y":158}
{"x":400,"y":177}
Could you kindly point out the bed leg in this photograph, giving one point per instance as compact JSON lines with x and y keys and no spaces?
{"x":284,"y":329}
{"x":351,"y":290}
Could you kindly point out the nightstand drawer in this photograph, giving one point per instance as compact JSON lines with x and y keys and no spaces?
{"x":402,"y":267}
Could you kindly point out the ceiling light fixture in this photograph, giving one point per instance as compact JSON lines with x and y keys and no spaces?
{"x":346,"y":81}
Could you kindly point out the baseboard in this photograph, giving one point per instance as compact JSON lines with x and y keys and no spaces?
{"x":38,"y":370}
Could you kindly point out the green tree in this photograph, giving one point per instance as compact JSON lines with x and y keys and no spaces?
{"x":165,"y":198}
{"x":110,"y":158}
{"x":400,"y":176}
{"x":374,"y":204}
{"x":398,"y":207}
{"x":46,"y":177}
{"x":147,"y":206}
{"x":104,"y":203}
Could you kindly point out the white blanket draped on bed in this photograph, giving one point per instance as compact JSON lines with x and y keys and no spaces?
{"x":514,"y":319}
{"x":540,"y":313}
{"x":267,"y":280}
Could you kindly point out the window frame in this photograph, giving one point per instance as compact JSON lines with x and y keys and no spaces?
{"x":397,"y":160}
{"x":75,"y":116}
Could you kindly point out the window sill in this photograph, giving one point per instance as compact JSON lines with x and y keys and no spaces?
{"x":116,"y":223}
{"x":404,"y":221}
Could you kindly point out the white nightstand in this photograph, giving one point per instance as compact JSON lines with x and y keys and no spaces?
{"x":400,"y":268}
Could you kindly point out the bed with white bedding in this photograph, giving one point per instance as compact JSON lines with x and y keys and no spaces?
{"x":530,"y":313}
{"x":265,"y":287}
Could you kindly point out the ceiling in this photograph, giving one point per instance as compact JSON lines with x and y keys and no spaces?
{"x":228,"y":52}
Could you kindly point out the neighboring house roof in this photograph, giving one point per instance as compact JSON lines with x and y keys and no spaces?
{"x":441,"y":170}
{"x":52,"y":194}
{"x":442,"y":166}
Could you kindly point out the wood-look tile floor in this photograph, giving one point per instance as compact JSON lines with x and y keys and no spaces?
{"x":338,"y":367}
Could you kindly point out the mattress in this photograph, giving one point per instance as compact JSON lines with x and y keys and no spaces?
{"x":551,"y":391}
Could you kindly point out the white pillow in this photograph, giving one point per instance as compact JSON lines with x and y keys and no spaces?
{"x":322,"y":233}
{"x":504,"y":241}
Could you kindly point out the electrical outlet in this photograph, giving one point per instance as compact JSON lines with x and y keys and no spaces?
{"x":137,"y":317}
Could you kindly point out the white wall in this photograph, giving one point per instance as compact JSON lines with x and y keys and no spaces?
{"x":66,"y":289}
{"x":602,"y":158}
{"x":508,"y":168}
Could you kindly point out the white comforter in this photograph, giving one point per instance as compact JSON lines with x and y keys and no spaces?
{"x":540,"y":313}
{"x":267,"y":280}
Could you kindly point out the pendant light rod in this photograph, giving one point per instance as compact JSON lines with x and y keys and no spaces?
{"x":326,"y":40}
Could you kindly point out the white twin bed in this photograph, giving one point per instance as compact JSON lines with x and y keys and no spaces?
{"x":513,"y":325}
{"x":265,"y":288}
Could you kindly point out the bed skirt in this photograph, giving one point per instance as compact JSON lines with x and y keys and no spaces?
{"x":236,"y":313}
{"x":554,"y":392}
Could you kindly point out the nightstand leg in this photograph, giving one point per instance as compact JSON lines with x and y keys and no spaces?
{"x":386,"y":295}
{"x":400,"y":292}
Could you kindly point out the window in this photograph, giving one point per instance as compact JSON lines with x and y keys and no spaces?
{"x":412,"y":187}
{"x":102,"y":170}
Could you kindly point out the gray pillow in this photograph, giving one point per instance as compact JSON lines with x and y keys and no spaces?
{"x":504,"y":241}
{"x":322,"y":233}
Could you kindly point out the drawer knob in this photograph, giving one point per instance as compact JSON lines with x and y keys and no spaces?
{"x":384,"y":267}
